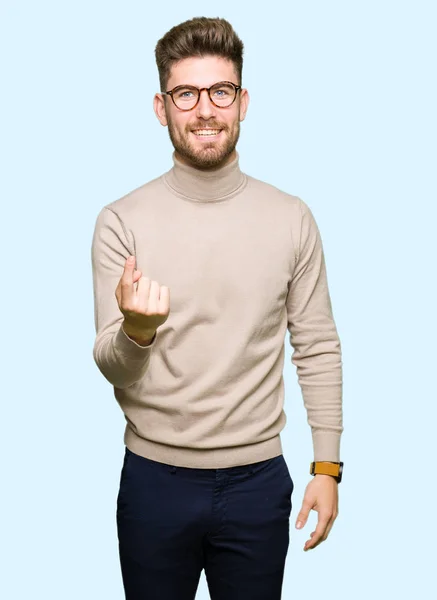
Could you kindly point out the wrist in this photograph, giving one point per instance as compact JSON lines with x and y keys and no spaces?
{"x":142,"y":338}
{"x":323,"y":476}
{"x":327,"y":468}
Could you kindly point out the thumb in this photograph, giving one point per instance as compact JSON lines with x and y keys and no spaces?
{"x":129,"y":265}
{"x":128,"y":271}
{"x":302,"y":517}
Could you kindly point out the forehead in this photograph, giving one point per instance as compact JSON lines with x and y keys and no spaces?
{"x":201,"y":72}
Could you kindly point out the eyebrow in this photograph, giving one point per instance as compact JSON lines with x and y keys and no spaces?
{"x":204,"y":86}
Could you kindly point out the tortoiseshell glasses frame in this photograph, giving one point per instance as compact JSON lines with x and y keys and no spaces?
{"x":200,"y":90}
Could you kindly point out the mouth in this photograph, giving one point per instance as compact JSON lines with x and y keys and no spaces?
{"x":208,"y":133}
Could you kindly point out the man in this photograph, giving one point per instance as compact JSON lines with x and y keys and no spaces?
{"x":197,"y":275}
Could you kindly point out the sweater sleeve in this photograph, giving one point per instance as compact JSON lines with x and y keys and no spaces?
{"x":121,"y":360}
{"x":315,"y":341}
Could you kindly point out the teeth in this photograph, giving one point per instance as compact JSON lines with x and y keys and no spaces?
{"x":207,"y":131}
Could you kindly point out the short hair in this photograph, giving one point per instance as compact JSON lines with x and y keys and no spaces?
{"x":198,"y":37}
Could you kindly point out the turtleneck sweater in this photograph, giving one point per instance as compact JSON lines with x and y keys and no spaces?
{"x":244,"y":263}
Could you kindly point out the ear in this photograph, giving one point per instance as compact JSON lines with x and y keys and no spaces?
{"x":244,"y":103}
{"x":159,"y":108}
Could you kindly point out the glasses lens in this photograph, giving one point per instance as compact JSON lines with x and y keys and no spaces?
{"x":185,"y":97}
{"x":223,"y":94}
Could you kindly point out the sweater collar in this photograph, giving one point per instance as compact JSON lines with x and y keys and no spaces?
{"x":205,"y":186}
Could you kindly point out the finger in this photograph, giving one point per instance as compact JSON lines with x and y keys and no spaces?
{"x":319,"y":534}
{"x":126,"y":280}
{"x":143,"y":291}
{"x":310,"y":545}
{"x":136,"y":277}
{"x":314,"y":542}
{"x":152,"y":307}
{"x":129,"y":266}
{"x":164,"y":300}
{"x":302,"y":517}
{"x":328,"y":531}
{"x":330,"y":526}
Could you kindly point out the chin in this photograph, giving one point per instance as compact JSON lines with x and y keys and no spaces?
{"x":208,"y":157}
{"x":203,"y":155}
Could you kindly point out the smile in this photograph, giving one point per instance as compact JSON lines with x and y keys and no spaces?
{"x":206,"y":132}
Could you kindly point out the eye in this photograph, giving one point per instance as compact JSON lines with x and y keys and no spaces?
{"x":184,"y":93}
{"x":223,"y":91}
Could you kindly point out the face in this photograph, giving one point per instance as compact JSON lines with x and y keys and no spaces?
{"x":192,"y":149}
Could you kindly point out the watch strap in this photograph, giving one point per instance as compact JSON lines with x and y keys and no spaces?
{"x":335,"y":469}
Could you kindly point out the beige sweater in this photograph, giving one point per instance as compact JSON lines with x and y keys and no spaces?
{"x":243,"y":262}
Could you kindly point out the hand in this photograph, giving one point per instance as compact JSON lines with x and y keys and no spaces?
{"x":144,"y":304}
{"x":321,"y":495}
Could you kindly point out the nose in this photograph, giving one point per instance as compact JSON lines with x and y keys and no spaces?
{"x":205,"y":108}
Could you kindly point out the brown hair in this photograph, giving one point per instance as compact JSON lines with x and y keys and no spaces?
{"x":201,"y":36}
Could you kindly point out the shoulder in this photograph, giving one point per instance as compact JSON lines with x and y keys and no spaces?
{"x":274,"y":196}
{"x":137,"y":199}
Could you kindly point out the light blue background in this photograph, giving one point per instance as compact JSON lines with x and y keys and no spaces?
{"x":343,"y":114}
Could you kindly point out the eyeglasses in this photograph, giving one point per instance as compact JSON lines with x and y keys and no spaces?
{"x":221,"y":94}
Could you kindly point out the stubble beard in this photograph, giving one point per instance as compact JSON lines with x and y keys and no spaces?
{"x":208,"y":155}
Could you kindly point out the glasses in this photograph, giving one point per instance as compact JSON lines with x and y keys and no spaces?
{"x":186,"y":97}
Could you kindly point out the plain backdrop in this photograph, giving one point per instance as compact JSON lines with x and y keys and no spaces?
{"x":342,"y":114}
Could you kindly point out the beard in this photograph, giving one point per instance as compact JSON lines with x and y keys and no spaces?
{"x":204,"y":155}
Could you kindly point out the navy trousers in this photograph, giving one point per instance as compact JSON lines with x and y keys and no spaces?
{"x":172,"y":522}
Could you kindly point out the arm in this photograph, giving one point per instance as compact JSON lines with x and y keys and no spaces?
{"x":317,"y":357}
{"x":313,"y":335}
{"x":120,"y":358}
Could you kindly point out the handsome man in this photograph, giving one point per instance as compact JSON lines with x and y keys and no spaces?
{"x":197,"y":276}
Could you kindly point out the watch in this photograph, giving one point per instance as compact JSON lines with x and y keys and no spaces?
{"x":327,"y":468}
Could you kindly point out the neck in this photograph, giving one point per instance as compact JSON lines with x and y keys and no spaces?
{"x":205,"y":185}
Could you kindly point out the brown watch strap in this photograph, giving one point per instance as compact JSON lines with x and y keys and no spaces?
{"x":326,"y":468}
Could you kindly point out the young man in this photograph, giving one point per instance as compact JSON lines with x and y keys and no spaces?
{"x":197,"y":275}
